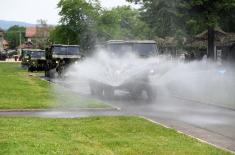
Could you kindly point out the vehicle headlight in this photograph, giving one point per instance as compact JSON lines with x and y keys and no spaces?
{"x":27,"y":60}
{"x":57,"y":62}
{"x":76,"y":62}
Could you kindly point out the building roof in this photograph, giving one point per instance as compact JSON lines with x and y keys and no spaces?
{"x":219,"y":34}
{"x":30,"y":32}
{"x":131,"y":41}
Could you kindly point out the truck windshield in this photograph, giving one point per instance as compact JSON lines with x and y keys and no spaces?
{"x":66,"y":50}
{"x":145,"y":49}
{"x":140,"y":49}
{"x":37,"y":54}
{"x":73,"y":50}
{"x":119,"y":49}
{"x":26,"y":53}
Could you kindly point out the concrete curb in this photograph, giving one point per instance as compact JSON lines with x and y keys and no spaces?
{"x":59,"y":109}
{"x":181,"y":132}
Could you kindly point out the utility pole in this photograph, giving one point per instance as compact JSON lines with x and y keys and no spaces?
{"x":20,"y":42}
{"x":20,"y":36}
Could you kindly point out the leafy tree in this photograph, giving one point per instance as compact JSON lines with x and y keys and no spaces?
{"x":160,"y":15}
{"x":228,"y":22}
{"x":208,"y":13}
{"x":78,"y":19}
{"x":121,"y":23}
{"x":61,"y":34}
{"x":14,"y":34}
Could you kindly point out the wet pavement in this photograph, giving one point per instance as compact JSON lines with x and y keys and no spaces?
{"x":210,"y":123}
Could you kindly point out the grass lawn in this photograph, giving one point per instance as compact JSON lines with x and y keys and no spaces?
{"x":18,"y":90}
{"x":95,"y":135}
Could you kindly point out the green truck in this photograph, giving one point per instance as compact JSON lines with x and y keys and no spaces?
{"x":26,"y":56}
{"x":136,"y":85}
{"x":59,"y":58}
{"x":37,"y":61}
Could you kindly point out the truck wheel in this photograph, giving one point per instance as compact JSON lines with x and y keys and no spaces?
{"x":30,"y":69}
{"x":108,"y":92}
{"x":151,"y":95}
{"x":144,"y":92}
{"x":47,"y":74}
{"x":95,"y":89}
{"x":52,"y":73}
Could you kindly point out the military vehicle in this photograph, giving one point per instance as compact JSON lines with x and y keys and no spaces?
{"x":37,"y":60}
{"x":136,"y":85}
{"x":59,"y":57}
{"x":26,"y":56}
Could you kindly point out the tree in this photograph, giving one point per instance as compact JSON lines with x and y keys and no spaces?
{"x":208,"y":13}
{"x":160,"y":15}
{"x":121,"y":23}
{"x":78,"y":18}
{"x":15,"y":35}
{"x":62,"y":34}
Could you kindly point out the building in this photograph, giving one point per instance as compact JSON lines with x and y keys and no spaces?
{"x":224,"y":44}
{"x":1,"y":39}
{"x":37,"y":36}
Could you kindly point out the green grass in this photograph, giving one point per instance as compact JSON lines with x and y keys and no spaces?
{"x":67,"y":99}
{"x":95,"y":135}
{"x":19,"y":90}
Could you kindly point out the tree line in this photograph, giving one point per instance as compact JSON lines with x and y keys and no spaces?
{"x":86,"y":22}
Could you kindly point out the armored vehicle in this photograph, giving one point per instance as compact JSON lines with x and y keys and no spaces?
{"x":136,"y":85}
{"x":59,"y":57}
{"x":36,"y":61}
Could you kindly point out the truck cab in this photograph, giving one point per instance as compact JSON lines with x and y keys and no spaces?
{"x":136,"y":85}
{"x":60,"y":57}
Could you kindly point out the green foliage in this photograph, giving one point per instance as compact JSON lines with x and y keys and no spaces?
{"x":96,"y":136}
{"x":121,"y":23}
{"x":61,"y":34}
{"x":13,"y":36}
{"x":160,"y":15}
{"x":78,"y":21}
{"x":85,"y":23}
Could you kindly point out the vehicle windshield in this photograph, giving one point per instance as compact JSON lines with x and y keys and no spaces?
{"x":73,"y":50}
{"x":140,"y":49}
{"x":66,"y":50}
{"x":119,"y":48}
{"x":37,"y":54}
{"x":26,"y":53}
{"x":145,"y":49}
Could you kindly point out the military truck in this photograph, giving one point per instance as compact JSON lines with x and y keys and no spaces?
{"x":26,"y":56}
{"x":37,"y":60}
{"x":136,"y":85}
{"x":60,"y":57}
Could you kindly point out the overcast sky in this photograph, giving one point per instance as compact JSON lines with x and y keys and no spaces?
{"x":31,"y":10}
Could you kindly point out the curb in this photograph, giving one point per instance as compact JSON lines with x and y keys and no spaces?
{"x":180,"y":132}
{"x":58,"y":109}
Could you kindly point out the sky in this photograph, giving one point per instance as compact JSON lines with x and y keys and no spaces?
{"x":32,"y":10}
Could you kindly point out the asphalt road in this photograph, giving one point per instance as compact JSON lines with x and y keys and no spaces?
{"x":210,"y":123}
